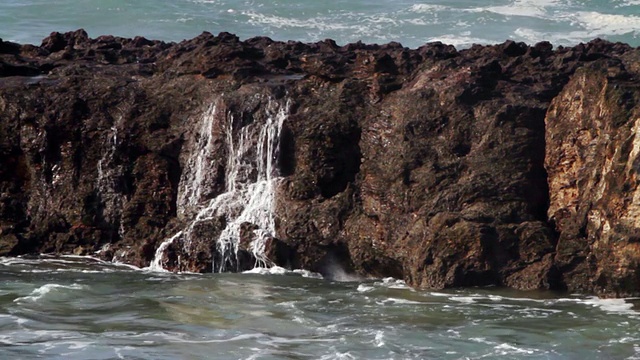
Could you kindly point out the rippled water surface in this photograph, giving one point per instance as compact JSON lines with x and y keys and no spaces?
{"x":78,"y":308}
{"x":458,"y":22}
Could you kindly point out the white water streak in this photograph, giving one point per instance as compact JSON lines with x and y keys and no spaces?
{"x":193,"y":182}
{"x":104,"y":181}
{"x":251,"y":178}
{"x":156,"y":263}
{"x":107,"y":180}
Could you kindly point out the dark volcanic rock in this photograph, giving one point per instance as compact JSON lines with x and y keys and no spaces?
{"x":497,"y":165}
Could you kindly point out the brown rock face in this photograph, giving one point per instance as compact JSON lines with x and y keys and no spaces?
{"x":593,"y":142}
{"x":498,"y":165}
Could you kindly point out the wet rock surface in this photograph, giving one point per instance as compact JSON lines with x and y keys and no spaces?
{"x":508,"y":165}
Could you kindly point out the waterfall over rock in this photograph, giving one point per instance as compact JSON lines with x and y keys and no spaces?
{"x":232,"y":227}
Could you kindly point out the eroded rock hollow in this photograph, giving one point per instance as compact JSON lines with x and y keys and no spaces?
{"x":508,"y":165}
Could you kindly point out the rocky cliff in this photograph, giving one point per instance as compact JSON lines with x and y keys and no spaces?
{"x":501,"y":165}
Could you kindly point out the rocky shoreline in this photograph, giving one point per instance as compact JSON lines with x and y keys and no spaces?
{"x":508,"y":165}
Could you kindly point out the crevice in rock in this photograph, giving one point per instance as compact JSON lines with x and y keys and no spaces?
{"x":336,"y":263}
{"x":286,"y":159}
{"x":341,"y":164}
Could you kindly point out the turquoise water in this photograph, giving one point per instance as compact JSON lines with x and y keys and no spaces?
{"x":413,"y":23}
{"x":79,"y":308}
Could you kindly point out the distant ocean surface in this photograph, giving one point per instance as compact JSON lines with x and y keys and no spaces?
{"x":410,"y":22}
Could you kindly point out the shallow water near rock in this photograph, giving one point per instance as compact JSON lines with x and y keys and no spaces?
{"x":80,"y":308}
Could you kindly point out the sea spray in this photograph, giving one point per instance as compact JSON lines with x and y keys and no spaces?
{"x":247,"y":201}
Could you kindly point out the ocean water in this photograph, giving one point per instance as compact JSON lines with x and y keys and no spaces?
{"x":411,"y":22}
{"x":81,"y":308}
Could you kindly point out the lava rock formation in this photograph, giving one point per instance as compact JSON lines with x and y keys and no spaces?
{"x":507,"y":165}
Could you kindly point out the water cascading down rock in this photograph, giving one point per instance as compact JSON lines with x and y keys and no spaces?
{"x":228,"y":230}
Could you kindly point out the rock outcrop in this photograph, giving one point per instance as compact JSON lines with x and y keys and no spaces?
{"x":508,"y":165}
{"x":593,"y":143}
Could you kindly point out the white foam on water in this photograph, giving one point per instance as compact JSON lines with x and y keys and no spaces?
{"x":274,"y":270}
{"x":532,"y":36}
{"x":176,"y":337}
{"x":458,"y":40}
{"x":288,"y":304}
{"x":92,"y":259}
{"x":73,"y":260}
{"x":526,"y":8}
{"x":308,"y":274}
{"x":8,"y":340}
{"x":397,"y":301}
{"x":586,"y":25}
{"x":207,"y":1}
{"x":284,"y":340}
{"x":615,"y":306}
{"x":482,"y":340}
{"x":532,"y":312}
{"x":427,"y":8}
{"x":74,"y":345}
{"x":392,"y":283}
{"x":277,"y":270}
{"x":317,"y":23}
{"x":63,"y":270}
{"x":118,"y":351}
{"x":629,"y":3}
{"x":43,"y":290}
{"x":52,"y":258}
{"x":338,"y":356}
{"x":71,"y":256}
{"x":365,"y":288}
{"x":10,"y":261}
{"x":378,"y":341}
{"x":624,"y":340}
{"x":505,"y":349}
{"x":299,"y":320}
{"x":454,"y":333}
{"x":499,"y":298}
{"x":464,"y":299}
{"x":608,"y":24}
{"x":125,"y":265}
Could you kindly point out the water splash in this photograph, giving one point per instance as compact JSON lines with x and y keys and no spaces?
{"x":156,"y":263}
{"x":247,"y":201}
